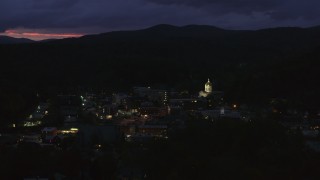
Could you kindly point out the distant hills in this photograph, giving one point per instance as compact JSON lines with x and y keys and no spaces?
{"x":198,"y":31}
{"x":165,"y":30}
{"x":11,"y":40}
{"x":249,"y":65}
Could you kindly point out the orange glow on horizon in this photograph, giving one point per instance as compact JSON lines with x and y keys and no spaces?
{"x":39,"y":36}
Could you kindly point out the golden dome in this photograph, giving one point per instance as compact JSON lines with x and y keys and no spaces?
{"x":208,"y":83}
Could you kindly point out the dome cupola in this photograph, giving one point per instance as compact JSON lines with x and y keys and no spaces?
{"x":208,"y":87}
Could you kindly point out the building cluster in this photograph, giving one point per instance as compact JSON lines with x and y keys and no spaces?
{"x":306,"y":123}
{"x":142,"y":114}
{"x":95,"y":120}
{"x":36,"y":118}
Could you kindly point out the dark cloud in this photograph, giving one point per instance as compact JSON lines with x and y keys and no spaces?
{"x":295,"y":9}
{"x":84,"y":13}
{"x":278,"y":10}
{"x":91,"y":16}
{"x":244,"y":6}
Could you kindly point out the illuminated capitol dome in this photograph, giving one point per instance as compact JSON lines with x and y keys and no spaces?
{"x":207,"y":89}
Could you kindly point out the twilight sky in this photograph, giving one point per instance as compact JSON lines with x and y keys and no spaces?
{"x":44,"y":19}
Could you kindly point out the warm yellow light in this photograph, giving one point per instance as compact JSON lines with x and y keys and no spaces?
{"x":71,"y":131}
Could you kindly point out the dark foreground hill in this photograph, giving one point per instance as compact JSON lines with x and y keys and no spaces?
{"x":250,"y":66}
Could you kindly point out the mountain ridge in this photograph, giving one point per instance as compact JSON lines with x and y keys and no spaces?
{"x":188,"y":31}
{"x":192,"y":30}
{"x":12,"y":40}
